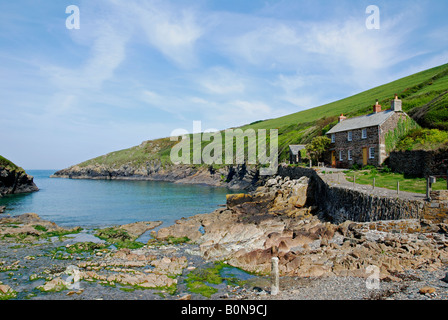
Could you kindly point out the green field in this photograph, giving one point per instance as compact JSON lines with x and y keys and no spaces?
{"x":389,"y":181}
{"x":424,"y":96}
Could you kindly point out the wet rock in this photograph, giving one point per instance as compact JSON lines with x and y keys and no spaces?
{"x":446,"y":278}
{"x":136,"y":229}
{"x":56,"y":284}
{"x":427,"y":290}
{"x":170,"y":265}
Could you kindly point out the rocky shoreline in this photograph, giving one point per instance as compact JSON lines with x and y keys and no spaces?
{"x":232,"y":177}
{"x":226,"y":255}
{"x":15,"y":181}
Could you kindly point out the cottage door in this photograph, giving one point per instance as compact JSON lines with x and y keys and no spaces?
{"x":333,"y":159}
{"x":364,"y":156}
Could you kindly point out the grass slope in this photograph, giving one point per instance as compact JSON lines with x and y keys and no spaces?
{"x":424,"y":96}
{"x":5,"y":163}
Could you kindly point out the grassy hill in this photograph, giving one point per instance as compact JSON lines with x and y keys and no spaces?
{"x":424,"y":96}
{"x":5,"y":163}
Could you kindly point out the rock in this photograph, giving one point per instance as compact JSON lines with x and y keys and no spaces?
{"x":427,"y":290}
{"x":446,"y":278}
{"x":185,"y":297}
{"x":15,"y":181}
{"x":5,"y":288}
{"x":2,"y":209}
{"x":136,"y":229}
{"x":233,"y":200}
{"x":57,"y":284}
{"x":182,"y":228}
{"x":170,"y":266}
{"x":25,"y":224}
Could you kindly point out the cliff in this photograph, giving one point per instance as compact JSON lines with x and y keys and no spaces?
{"x":14,"y":179}
{"x":233,"y":177}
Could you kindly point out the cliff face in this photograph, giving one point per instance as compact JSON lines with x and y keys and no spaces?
{"x":234,"y":177}
{"x":14,"y":179}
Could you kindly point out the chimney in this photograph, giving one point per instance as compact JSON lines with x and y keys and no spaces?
{"x":395,"y":105}
{"x":341,"y":118}
{"x":376,"y":107}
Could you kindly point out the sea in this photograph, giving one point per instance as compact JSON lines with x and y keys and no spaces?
{"x":103,"y":203}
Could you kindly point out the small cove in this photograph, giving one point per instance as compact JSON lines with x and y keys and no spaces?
{"x":101,"y":203}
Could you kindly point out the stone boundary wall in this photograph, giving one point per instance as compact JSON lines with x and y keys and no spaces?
{"x":419,"y":163}
{"x":340,"y":203}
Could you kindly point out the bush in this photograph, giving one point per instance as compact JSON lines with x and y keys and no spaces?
{"x":386,"y":169}
{"x":423,"y":139}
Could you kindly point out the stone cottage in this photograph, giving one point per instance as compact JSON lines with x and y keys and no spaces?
{"x":294,"y":153}
{"x":362,"y":140}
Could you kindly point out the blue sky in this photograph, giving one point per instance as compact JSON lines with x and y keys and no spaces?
{"x":137,"y":70}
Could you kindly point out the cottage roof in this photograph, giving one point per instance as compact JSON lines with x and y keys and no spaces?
{"x":370,"y":120}
{"x":295,"y":148}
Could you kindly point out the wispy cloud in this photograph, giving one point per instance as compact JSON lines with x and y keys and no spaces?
{"x":219,"y":80}
{"x":138,"y":69}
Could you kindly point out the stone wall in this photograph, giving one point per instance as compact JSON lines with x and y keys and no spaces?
{"x":419,"y":163}
{"x":338,"y":203}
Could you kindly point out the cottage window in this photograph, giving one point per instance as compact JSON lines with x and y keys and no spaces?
{"x":333,"y":138}
{"x":371,"y":153}
{"x":364,"y":133}
{"x":340,"y":156}
{"x":349,"y":136}
{"x":349,"y":154}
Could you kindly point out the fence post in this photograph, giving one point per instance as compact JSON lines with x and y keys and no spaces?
{"x":428,"y":188}
{"x":275,"y":281}
{"x":398,"y":187}
{"x":373,"y":183}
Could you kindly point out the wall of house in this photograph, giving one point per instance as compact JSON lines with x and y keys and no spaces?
{"x":356,"y":145}
{"x":389,"y":125}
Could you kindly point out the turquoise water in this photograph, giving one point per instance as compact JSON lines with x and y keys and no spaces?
{"x":99,"y":203}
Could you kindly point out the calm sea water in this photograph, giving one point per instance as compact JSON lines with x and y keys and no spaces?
{"x":99,"y":203}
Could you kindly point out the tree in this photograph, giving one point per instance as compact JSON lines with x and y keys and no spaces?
{"x":317,"y":147}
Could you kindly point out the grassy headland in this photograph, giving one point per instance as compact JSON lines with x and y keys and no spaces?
{"x":424,"y":96}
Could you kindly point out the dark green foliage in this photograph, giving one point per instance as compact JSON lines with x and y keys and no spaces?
{"x":424,"y":139}
{"x":317,"y":147}
{"x":401,"y":130}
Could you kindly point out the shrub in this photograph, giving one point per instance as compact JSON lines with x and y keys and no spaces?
{"x":423,"y":139}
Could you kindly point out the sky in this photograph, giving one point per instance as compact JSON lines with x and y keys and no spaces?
{"x":138,"y":70}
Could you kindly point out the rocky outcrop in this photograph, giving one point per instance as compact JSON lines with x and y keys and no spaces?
{"x":15,"y":181}
{"x":29,"y":226}
{"x":276,"y":220}
{"x":234,"y":177}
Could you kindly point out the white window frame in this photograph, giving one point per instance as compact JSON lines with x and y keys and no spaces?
{"x":350,"y":136}
{"x":364,"y":134}
{"x":341,"y":157}
{"x":371,"y":153}
{"x":349,"y":154}
{"x":333,"y":138}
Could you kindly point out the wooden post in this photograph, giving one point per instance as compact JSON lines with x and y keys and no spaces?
{"x":428,"y":189}
{"x":398,"y":187}
{"x":373,"y":183}
{"x":354,"y":179}
{"x":275,"y":280}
